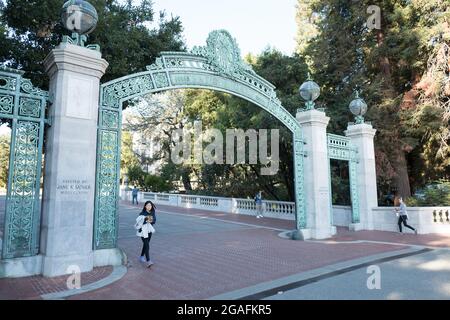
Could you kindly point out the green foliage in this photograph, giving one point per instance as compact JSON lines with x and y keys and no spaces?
{"x":4,"y":160}
{"x":128,"y":159}
{"x":222,"y":111}
{"x":122,"y":33}
{"x":147,"y":182}
{"x":156,"y":184}
{"x":412,"y":202}
{"x":340,"y":183}
{"x":136,"y":176}
{"x":412,"y":137}
{"x":436,"y":194}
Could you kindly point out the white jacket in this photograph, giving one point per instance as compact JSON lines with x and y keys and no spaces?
{"x":145,"y":228}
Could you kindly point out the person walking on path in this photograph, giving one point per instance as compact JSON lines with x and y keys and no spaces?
{"x":134,"y":193}
{"x":403,"y":216}
{"x":258,"y":201}
{"x":144,"y":225}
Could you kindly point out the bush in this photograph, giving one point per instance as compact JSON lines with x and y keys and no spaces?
{"x":412,"y":202}
{"x":436,"y":194}
{"x":156,"y":184}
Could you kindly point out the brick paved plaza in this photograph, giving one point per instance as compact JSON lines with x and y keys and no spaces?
{"x":202,"y":254}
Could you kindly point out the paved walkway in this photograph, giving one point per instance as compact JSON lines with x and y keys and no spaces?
{"x":204,"y":254}
{"x":425,"y":275}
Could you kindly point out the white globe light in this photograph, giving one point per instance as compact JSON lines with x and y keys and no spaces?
{"x":79,"y":16}
{"x":309,"y":91}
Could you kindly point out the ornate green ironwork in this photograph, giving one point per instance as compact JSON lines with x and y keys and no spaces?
{"x":25,"y":106}
{"x":341,"y":148}
{"x":79,"y":40}
{"x":217,"y":66}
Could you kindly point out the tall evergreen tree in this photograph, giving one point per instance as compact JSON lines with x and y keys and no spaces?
{"x":123,"y":33}
{"x":384,"y":62}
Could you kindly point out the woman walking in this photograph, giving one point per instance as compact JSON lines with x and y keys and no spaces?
{"x":144,"y":225}
{"x":403,"y":216}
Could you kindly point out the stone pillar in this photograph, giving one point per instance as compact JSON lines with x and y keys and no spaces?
{"x":70,"y":159}
{"x":361,"y":136}
{"x":316,"y":175}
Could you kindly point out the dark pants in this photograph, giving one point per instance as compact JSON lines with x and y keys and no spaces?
{"x":402,"y":219}
{"x":146,"y":247}
{"x":135,"y":198}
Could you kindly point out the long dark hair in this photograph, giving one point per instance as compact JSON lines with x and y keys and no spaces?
{"x":144,"y":211}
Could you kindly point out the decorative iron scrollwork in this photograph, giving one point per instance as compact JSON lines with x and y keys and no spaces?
{"x":22,"y":213}
{"x":217,"y":66}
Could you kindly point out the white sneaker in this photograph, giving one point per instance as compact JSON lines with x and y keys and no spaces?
{"x":257,"y":217}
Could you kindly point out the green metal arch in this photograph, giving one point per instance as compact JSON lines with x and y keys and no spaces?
{"x":217,"y":67}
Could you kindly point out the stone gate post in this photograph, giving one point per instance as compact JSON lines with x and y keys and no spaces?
{"x":361,"y":136}
{"x":70,"y":159}
{"x":316,"y":175}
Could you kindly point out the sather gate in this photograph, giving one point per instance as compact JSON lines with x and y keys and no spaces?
{"x":217,"y":66}
{"x":75,"y":221}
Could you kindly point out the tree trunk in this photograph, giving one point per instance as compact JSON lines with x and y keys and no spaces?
{"x":402,"y":178}
{"x":186,"y":180}
{"x":399,"y":159}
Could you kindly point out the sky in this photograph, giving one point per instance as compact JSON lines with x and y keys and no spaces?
{"x":255,"y":24}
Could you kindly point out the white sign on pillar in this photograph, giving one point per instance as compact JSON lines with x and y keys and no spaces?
{"x":70,"y":159}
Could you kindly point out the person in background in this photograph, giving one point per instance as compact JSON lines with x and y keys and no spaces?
{"x":258,"y":201}
{"x":146,"y":217}
{"x":402,"y":215}
{"x":134,"y":193}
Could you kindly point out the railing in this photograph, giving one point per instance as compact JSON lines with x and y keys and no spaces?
{"x":188,"y":199}
{"x":340,"y":148}
{"x":209,"y":202}
{"x":425,"y":219}
{"x":441,"y":216}
{"x":275,"y":209}
{"x":162,"y":197}
{"x":245,"y":204}
{"x":278,"y":207}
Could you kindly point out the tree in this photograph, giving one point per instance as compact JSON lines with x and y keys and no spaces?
{"x":222,"y":111}
{"x":34,"y":28}
{"x":4,"y":160}
{"x":155,"y":117}
{"x":157,"y":184}
{"x":136,"y":176}
{"x":128,"y":158}
{"x":385,"y":63}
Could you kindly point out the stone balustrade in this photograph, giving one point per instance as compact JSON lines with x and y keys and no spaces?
{"x":425,"y":219}
{"x":274,"y":209}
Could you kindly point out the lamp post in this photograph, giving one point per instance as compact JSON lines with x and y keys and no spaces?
{"x":79,"y":17}
{"x":309,"y":91}
{"x":358,"y":108}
